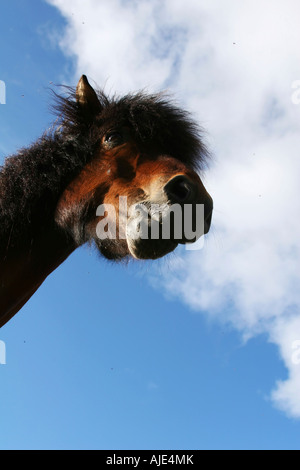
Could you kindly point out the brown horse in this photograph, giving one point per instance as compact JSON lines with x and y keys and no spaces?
{"x":141,"y":147}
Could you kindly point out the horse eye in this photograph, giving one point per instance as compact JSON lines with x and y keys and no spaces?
{"x":113,"y":138}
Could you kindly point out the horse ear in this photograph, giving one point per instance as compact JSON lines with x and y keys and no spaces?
{"x":86,"y":97}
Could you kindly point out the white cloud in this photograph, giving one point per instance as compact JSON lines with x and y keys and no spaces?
{"x":233,"y":64}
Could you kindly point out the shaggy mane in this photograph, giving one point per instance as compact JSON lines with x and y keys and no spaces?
{"x":155,"y":121}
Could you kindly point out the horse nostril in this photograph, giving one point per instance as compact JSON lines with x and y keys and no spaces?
{"x":180,"y":189}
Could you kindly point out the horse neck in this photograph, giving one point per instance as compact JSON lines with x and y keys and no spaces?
{"x":23,"y":270}
{"x":31,"y":245}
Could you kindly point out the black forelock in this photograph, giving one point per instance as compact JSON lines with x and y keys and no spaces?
{"x":155,"y":121}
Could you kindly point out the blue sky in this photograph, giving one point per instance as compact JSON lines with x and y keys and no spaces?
{"x":142,"y":356}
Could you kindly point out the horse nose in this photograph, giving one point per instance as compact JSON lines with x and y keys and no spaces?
{"x":208,"y":210}
{"x":181,"y":190}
